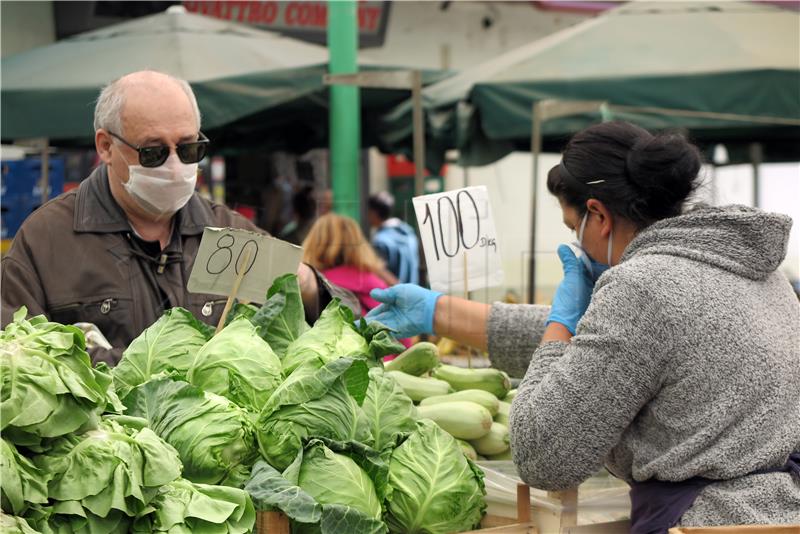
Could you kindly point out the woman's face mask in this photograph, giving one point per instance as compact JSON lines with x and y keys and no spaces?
{"x":593,"y":267}
{"x":162,"y":190}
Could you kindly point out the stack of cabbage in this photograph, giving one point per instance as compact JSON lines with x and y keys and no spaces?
{"x":70,"y":463}
{"x":304,"y":419}
{"x":471,"y":404}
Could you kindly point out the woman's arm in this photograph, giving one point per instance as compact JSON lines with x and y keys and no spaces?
{"x":578,"y":398}
{"x":462,"y":320}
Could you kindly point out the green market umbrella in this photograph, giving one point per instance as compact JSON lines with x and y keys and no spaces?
{"x":727,"y":72}
{"x":237,"y":72}
{"x":50,"y":91}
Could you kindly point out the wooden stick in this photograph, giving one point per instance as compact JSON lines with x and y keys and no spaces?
{"x":234,"y":291}
{"x":466,"y":297}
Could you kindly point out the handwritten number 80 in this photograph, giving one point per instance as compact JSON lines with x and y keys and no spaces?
{"x":454,"y":210}
{"x":222,"y":257}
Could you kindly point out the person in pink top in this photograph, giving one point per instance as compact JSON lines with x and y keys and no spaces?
{"x":337,"y":248}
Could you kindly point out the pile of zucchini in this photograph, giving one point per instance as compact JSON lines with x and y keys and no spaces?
{"x":470,"y":404}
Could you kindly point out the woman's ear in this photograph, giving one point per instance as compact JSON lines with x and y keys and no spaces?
{"x":599,"y":209}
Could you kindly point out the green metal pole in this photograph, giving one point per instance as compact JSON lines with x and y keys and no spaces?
{"x":345,"y":110}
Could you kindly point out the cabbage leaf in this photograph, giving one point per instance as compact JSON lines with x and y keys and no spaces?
{"x":330,"y":487}
{"x":22,"y":482}
{"x":183,"y":507}
{"x":168,"y":345}
{"x":281,"y":319}
{"x":332,"y":336}
{"x":10,"y":524}
{"x":389,"y":410}
{"x":111,"y":468}
{"x":48,"y":387}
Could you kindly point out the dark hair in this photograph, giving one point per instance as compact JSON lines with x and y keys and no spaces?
{"x":304,"y":203}
{"x":637,"y":175}
{"x":381,"y":203}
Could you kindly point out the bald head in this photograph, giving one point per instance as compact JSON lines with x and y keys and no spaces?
{"x":129,"y":96}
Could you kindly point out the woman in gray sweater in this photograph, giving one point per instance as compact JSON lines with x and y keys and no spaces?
{"x":678,"y":368}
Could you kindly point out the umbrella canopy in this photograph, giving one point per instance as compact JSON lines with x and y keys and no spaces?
{"x":236,"y":72}
{"x":726,"y":71}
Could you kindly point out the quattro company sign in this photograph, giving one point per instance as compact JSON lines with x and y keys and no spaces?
{"x":307,"y":20}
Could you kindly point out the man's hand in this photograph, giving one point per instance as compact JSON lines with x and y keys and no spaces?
{"x":309,"y":290}
{"x":93,"y":336}
{"x":406,"y":308}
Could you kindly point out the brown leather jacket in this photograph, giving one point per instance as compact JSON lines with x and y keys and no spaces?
{"x":76,"y":259}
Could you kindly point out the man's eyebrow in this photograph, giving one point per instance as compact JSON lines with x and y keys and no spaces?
{"x":152,"y":141}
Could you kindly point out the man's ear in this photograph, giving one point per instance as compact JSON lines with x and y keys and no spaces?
{"x":102,"y":143}
{"x":602,"y":212}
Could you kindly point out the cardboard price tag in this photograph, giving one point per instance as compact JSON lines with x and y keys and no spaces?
{"x":459,"y":239}
{"x":227,"y":253}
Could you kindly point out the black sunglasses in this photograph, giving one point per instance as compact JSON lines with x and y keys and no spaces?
{"x":154,"y":156}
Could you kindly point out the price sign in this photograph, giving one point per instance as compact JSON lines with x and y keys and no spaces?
{"x":459,"y":239}
{"x":227,"y":253}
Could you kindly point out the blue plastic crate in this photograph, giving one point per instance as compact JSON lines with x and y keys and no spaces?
{"x":22,"y":176}
{"x":20,"y":192}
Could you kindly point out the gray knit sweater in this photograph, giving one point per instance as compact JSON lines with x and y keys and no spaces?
{"x":687,"y":363}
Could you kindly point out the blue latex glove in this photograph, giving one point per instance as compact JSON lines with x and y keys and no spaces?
{"x":574,"y":292}
{"x":597,"y":269}
{"x":406,"y":308}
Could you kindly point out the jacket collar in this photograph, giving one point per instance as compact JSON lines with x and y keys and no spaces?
{"x":96,"y":211}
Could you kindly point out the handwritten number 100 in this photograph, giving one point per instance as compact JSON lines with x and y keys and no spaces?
{"x":454,"y":210}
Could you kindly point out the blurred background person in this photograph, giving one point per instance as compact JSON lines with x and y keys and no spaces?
{"x":304,"y":209}
{"x":337,"y":247}
{"x":394,"y":240}
{"x":325,"y":201}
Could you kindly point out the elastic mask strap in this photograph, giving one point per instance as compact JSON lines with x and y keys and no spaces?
{"x":583,"y":227}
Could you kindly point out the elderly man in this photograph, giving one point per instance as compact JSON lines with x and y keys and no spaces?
{"x":119,"y":250}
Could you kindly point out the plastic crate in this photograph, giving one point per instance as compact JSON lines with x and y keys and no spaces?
{"x":20,"y":190}
{"x":21,"y":177}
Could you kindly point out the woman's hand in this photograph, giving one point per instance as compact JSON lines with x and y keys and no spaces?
{"x":406,"y":308}
{"x":574,"y":292}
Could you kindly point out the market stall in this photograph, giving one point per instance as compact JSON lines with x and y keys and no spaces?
{"x":268,"y":422}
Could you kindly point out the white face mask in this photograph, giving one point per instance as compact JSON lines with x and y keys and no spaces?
{"x":584,"y":257}
{"x":162,"y":190}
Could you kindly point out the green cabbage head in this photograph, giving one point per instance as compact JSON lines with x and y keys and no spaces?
{"x":213,"y":436}
{"x":314,"y":403}
{"x":237,"y":364}
{"x":436,"y":489}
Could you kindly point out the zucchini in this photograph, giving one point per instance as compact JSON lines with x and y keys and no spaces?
{"x":495,"y":442}
{"x":461,"y":419}
{"x":468,"y":450}
{"x":492,"y":380}
{"x":502,"y":413}
{"x":420,"y":388}
{"x":501,"y":457}
{"x":415,"y":360}
{"x":478,"y":396}
{"x":510,"y":397}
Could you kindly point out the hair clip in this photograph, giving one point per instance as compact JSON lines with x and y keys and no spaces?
{"x":595,"y":182}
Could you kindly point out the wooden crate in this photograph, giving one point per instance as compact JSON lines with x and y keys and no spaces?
{"x":278,"y":523}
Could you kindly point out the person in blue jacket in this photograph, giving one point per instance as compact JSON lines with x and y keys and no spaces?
{"x":394,"y":240}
